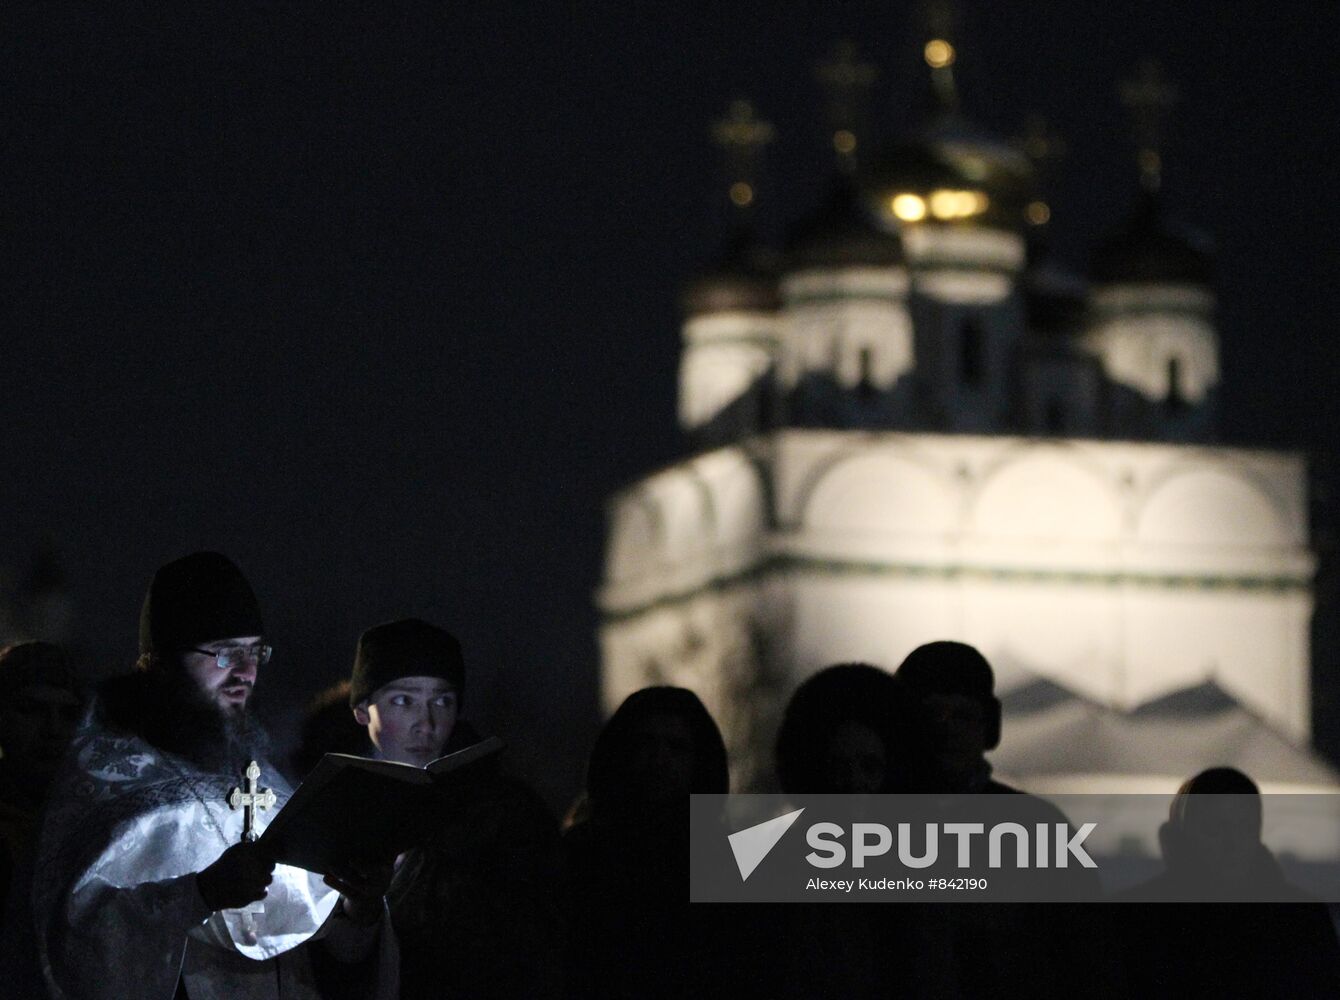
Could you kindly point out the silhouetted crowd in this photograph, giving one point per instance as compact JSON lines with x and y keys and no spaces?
{"x":503,"y":900}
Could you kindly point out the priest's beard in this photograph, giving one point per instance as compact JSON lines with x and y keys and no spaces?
{"x":188,"y":722}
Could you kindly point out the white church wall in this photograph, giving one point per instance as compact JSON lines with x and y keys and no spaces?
{"x":735,"y":487}
{"x":1249,"y":641}
{"x":724,"y":354}
{"x":870,"y":618}
{"x":717,"y":645}
{"x":1139,"y":329}
{"x":635,"y":543}
{"x":1051,"y":629}
{"x":881,"y":492}
{"x":1049,"y":540}
{"x":850,"y":323}
{"x":1043,"y":493}
{"x":964,"y":248}
{"x":964,"y":287}
{"x":963,"y":265}
{"x":679,"y":644}
{"x":1121,"y":571}
{"x":1215,"y":506}
{"x":682,"y":528}
{"x":686,"y":516}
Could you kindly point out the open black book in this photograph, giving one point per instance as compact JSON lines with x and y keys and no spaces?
{"x":355,"y":808}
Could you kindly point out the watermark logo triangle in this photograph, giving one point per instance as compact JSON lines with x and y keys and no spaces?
{"x":750,"y":846}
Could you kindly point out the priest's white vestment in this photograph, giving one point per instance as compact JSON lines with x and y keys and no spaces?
{"x":118,"y":913}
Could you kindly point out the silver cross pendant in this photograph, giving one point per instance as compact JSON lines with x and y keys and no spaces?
{"x":249,"y":800}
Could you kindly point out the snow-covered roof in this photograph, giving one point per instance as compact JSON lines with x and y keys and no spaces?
{"x":1051,"y":732}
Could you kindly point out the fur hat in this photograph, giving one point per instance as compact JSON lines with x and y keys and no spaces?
{"x":198,"y":598}
{"x":409,"y":647}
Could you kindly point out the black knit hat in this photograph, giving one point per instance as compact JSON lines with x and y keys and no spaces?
{"x":947,"y":668}
{"x":198,"y":598}
{"x":409,"y":647}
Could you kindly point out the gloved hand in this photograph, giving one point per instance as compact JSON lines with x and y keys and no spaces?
{"x":240,"y":876}
{"x":363,"y":885}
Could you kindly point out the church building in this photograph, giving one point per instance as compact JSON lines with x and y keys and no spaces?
{"x":911,"y":423}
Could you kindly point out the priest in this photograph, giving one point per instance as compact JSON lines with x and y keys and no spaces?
{"x":148,"y":883}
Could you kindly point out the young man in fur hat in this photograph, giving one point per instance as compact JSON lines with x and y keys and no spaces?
{"x":145,"y":888}
{"x":475,"y":908}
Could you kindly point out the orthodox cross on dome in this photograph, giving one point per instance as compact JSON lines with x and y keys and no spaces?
{"x":1045,"y":148}
{"x":742,"y":136}
{"x":250,"y":800}
{"x":846,"y":81}
{"x":940,"y":23}
{"x":1149,"y":97}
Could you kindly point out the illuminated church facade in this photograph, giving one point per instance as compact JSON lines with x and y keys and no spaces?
{"x":912,"y":425}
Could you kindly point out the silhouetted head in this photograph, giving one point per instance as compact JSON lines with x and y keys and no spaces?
{"x":837,"y":735}
{"x":953,"y":715}
{"x":39,"y":708}
{"x":660,"y":746}
{"x":1221,"y":801}
{"x":1214,"y":825}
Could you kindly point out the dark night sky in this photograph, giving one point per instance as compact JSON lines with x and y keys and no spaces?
{"x":384,"y":304}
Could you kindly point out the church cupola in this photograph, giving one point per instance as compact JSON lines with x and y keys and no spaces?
{"x":1055,"y":297}
{"x":956,"y":192}
{"x":1060,"y":384}
{"x":957,"y":195}
{"x":847,"y":333}
{"x":730,"y":309}
{"x":1152,"y":302}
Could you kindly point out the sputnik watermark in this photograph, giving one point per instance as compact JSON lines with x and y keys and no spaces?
{"x":848,"y":885}
{"x":872,"y":840}
{"x":1005,"y":848}
{"x":751,"y":846}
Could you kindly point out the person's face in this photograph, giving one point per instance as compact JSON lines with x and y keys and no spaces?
{"x":1220,"y":834}
{"x":855,"y":761}
{"x":410,"y":719}
{"x":661,"y":758}
{"x":36,"y":724}
{"x":229,"y":688}
{"x":957,"y":726}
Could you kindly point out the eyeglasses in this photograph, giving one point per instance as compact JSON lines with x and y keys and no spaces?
{"x":228,"y":657}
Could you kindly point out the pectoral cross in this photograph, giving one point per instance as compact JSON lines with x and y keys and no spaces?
{"x":249,"y":801}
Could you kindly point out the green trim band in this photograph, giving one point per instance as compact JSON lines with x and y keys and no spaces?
{"x":767,"y":343}
{"x":825,"y":298}
{"x":1109,"y":312}
{"x":995,"y":574}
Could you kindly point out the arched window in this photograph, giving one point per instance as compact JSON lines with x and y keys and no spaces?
{"x":1053,"y":416}
{"x":866,"y":361}
{"x":971,"y":352}
{"x":1175,"y":400}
